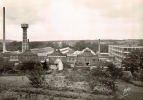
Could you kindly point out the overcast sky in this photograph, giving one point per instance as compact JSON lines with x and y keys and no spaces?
{"x":73,"y":19}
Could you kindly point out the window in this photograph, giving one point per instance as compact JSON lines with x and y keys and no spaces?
{"x":93,"y":60}
{"x":125,"y":49}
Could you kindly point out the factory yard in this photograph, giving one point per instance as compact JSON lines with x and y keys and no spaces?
{"x":18,"y":86}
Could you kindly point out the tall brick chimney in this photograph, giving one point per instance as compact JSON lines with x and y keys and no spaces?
{"x":25,"y":41}
{"x":4,"y":42}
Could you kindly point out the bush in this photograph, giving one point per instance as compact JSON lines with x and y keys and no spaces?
{"x":127,"y":76}
{"x":104,"y":78}
{"x":5,"y":67}
{"x":102,"y":90}
{"x":35,"y":73}
{"x":36,"y":79}
{"x":138,"y":83}
{"x":27,"y":66}
{"x":66,"y":65}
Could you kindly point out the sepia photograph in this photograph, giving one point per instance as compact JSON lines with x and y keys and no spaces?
{"x":71,"y":49}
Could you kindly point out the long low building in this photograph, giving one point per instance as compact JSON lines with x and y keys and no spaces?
{"x":119,"y":52}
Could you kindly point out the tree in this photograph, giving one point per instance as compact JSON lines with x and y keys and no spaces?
{"x":140,"y":42}
{"x":106,"y":78}
{"x":133,"y":61}
{"x":64,"y":45}
{"x":14,"y":46}
{"x":5,"y":67}
{"x":45,"y":65}
{"x":115,"y":72}
{"x":37,"y":45}
{"x":27,"y":66}
{"x":80,"y":45}
{"x":35,"y":73}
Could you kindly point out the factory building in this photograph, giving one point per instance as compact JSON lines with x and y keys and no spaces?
{"x":56,"y":55}
{"x":26,"y":54}
{"x":119,"y":52}
{"x":87,"y":58}
{"x":66,"y":50}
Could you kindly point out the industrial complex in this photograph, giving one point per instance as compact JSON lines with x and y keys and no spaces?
{"x":86,"y":57}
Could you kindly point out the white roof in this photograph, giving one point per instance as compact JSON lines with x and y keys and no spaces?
{"x":42,"y":50}
{"x":77,"y":52}
{"x":89,"y":50}
{"x":66,"y":50}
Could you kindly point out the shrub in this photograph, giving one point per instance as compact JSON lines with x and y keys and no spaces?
{"x":104,"y":78}
{"x":5,"y":67}
{"x":35,"y":73}
{"x":36,"y":78}
{"x":66,"y":65}
{"x":102,"y":90}
{"x":138,"y":83}
{"x":127,"y":76}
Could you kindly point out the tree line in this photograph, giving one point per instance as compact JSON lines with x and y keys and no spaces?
{"x":79,"y":45}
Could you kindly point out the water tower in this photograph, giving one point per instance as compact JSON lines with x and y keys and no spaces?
{"x":25,"y":40}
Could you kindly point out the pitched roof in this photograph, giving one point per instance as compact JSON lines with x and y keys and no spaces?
{"x":47,"y":50}
{"x":87,"y":52}
{"x":66,"y":50}
{"x":56,"y":53}
{"x":28,"y":53}
{"x":77,"y":52}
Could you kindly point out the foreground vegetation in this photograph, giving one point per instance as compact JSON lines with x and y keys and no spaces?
{"x":17,"y":86}
{"x":110,"y":83}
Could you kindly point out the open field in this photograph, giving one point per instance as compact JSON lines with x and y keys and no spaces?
{"x":20,"y":84}
{"x":16,"y":81}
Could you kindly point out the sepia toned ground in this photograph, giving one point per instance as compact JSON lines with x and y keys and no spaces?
{"x":14,"y":85}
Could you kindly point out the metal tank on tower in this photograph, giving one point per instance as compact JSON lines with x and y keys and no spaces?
{"x":25,"y":40}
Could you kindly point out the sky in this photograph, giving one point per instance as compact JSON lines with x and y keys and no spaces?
{"x":73,"y":19}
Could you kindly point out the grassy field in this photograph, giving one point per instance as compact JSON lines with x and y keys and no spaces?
{"x":21,"y":83}
{"x":14,"y":80}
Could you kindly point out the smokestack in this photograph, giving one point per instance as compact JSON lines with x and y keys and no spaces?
{"x":28,"y":44}
{"x":99,"y":46}
{"x":4,"y":43}
{"x":25,"y":41}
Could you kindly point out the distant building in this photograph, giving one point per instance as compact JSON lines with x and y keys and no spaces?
{"x":87,"y":58}
{"x":28,"y":56}
{"x":66,"y":50}
{"x":14,"y":58}
{"x":56,"y":55}
{"x":42,"y":52}
{"x":23,"y":57}
{"x":10,"y":56}
{"x":105,"y":57}
{"x":72,"y":58}
{"x":121,"y":51}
